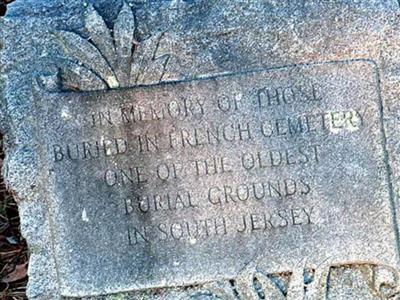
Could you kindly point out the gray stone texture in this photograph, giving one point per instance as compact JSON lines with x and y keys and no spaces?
{"x":63,"y":62}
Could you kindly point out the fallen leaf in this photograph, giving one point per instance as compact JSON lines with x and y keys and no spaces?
{"x":19,"y":273}
{"x":5,"y":254}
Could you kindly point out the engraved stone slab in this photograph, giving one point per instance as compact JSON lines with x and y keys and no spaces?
{"x":188,"y":182}
{"x":204,"y":149}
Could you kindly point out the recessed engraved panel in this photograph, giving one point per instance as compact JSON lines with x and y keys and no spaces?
{"x":190,"y":182}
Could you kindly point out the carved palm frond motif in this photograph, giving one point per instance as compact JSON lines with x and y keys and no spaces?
{"x":110,"y":58}
{"x":380,"y":282}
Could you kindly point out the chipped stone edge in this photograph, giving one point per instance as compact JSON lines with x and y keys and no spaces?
{"x":20,"y":171}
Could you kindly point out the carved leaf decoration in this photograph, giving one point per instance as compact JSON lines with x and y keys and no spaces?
{"x":115,"y":60}
{"x":274,"y":286}
{"x":78,"y":78}
{"x":99,"y":34}
{"x":149,"y":62}
{"x":124,"y":28}
{"x":218,"y":289}
{"x":385,"y":282}
{"x":254,"y":283}
{"x":87,"y":54}
{"x":245,"y":286}
{"x":142,"y":54}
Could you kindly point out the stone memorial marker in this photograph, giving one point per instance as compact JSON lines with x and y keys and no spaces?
{"x":205,"y":149}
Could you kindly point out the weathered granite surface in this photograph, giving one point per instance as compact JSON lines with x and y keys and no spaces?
{"x":205,"y":149}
